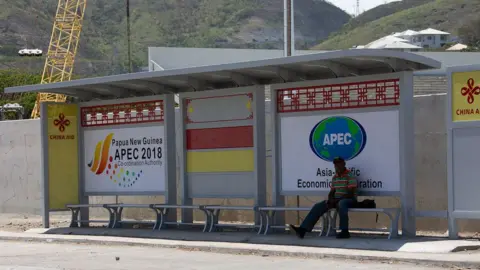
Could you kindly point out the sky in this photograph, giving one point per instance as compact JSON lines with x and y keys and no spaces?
{"x":349,"y":5}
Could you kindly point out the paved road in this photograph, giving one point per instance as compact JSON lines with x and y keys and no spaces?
{"x":49,"y":256}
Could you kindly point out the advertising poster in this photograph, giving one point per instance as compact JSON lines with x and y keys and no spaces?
{"x":125,"y":160}
{"x":465,"y":96}
{"x":63,"y":176}
{"x":369,"y":142}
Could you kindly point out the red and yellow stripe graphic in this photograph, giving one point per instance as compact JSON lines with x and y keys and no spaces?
{"x":227,"y":149}
{"x":214,"y":138}
{"x":100,"y":157}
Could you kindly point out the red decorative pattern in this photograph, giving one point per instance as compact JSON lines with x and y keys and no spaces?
{"x":470,"y":90}
{"x":61,"y":122}
{"x":122,"y":114}
{"x":339,"y":96}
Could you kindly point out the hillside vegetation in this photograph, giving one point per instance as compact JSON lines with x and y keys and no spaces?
{"x":445,"y":15}
{"x":186,"y":23}
{"x":380,"y":12}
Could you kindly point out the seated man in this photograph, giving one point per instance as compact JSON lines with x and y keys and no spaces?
{"x":343,"y":195}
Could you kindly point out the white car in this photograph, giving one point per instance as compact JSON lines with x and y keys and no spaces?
{"x":30,"y":52}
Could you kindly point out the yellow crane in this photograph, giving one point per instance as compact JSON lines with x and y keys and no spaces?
{"x":62,"y":49}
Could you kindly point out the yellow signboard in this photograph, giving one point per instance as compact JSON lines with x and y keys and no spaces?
{"x":63,"y":178}
{"x":466,"y":96}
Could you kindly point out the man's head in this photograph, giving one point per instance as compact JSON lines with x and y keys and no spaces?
{"x":339,"y":164}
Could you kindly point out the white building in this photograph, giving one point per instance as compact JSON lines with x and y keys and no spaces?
{"x":408,"y":35}
{"x":431,"y":38}
{"x":411,"y":40}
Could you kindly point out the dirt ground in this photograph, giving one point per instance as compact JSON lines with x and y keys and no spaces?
{"x":24,"y":222}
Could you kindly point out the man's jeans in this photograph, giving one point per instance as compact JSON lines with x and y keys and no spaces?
{"x":319,"y":209}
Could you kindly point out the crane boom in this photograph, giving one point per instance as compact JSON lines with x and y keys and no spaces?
{"x":62,"y":49}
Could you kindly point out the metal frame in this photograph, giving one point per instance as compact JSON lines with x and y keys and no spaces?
{"x":169,"y":159}
{"x":45,"y":174}
{"x":259,"y":174}
{"x":452,"y":213}
{"x":405,"y":109}
{"x":347,"y":64}
{"x":45,"y":167}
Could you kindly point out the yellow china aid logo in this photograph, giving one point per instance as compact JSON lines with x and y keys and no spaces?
{"x":61,"y":122}
{"x":103,"y":163}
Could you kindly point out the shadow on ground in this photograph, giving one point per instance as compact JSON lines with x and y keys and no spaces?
{"x":358,"y":241}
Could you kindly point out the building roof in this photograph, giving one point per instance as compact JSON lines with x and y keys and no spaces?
{"x":160,"y":61}
{"x":448,"y":59}
{"x":180,"y":59}
{"x":382,"y":42}
{"x":458,"y":47}
{"x":400,"y":45}
{"x":406,"y":33}
{"x":431,"y":31}
{"x":334,"y":64}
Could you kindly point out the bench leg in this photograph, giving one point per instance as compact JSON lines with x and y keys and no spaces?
{"x":159,"y":220}
{"x":393,"y":224}
{"x":111,"y":214}
{"x":332,"y":222}
{"x":207,"y":219}
{"x":165,"y":214}
{"x":325,"y":224}
{"x":269,"y":218}
{"x":118,"y":217}
{"x":213,"y":219}
{"x":75,"y":213}
{"x":263,"y":219}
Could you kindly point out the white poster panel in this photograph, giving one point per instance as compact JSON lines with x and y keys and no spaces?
{"x":126,"y":160}
{"x":369,"y":142}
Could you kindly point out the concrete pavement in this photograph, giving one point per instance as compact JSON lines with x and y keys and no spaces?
{"x":43,"y":256}
{"x":240,"y":244}
{"x":357,"y":242}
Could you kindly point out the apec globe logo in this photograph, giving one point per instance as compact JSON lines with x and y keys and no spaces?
{"x":338,"y":136}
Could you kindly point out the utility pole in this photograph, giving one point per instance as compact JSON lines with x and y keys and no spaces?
{"x":289,"y":28}
{"x":357,"y":8}
{"x":130,"y":68}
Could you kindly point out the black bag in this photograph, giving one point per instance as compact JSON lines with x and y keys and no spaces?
{"x":366,"y":204}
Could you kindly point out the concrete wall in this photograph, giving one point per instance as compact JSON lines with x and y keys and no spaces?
{"x":20,"y":167}
{"x":20,"y":173}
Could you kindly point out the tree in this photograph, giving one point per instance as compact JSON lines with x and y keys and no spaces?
{"x":469,"y":32}
{"x":9,"y":78}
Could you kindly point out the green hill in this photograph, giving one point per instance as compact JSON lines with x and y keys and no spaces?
{"x":381,"y":11}
{"x":445,"y":15}
{"x":188,"y":23}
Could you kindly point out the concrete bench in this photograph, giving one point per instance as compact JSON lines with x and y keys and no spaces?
{"x":268,"y":214}
{"x":214,"y":212}
{"x":76,"y":221}
{"x":163,"y":209}
{"x":392,"y":213}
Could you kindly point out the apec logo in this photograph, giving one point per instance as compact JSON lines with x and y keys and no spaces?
{"x":338,"y":136}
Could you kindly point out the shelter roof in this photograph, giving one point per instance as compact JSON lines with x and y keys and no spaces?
{"x":325,"y":65}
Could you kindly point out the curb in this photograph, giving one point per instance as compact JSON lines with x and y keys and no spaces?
{"x":252,"y":251}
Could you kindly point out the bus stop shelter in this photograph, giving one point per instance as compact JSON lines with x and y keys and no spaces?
{"x":121,"y":135}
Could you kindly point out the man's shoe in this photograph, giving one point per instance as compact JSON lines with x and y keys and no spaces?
{"x":343,"y":235}
{"x":299,"y":231}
